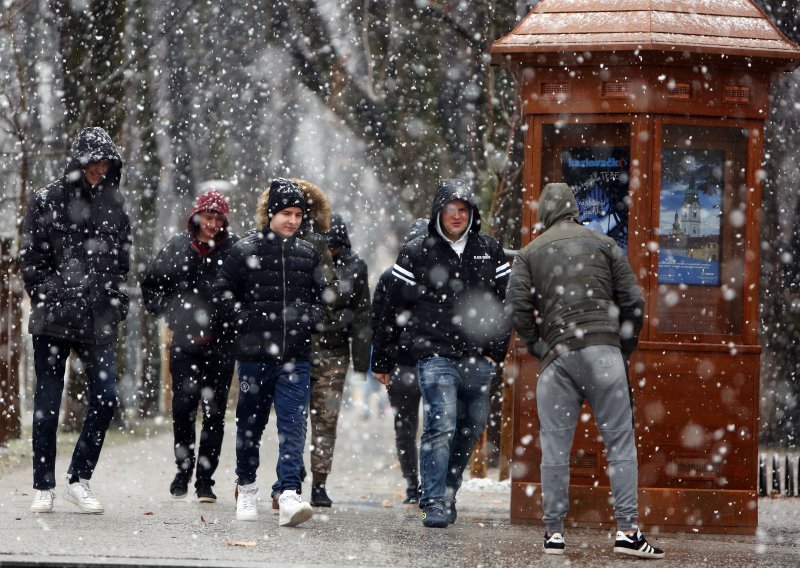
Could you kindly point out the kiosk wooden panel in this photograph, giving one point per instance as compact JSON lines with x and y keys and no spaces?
{"x":658,"y":128}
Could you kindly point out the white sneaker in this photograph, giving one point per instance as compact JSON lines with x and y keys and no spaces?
{"x":80,"y":494}
{"x":43,"y":501}
{"x":293,"y":510}
{"x":246,"y":502}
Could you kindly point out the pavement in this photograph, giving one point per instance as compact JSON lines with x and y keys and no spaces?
{"x":367,"y":526}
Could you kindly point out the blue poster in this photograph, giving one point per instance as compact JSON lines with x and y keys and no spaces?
{"x":598,"y":176}
{"x":690,"y":217}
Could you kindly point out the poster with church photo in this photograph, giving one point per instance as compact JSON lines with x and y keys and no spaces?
{"x":691,"y":217}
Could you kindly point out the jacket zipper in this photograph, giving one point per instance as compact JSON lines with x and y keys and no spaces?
{"x":283,"y":281}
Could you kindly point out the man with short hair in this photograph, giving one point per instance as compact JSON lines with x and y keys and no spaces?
{"x":448,"y":291}
{"x":75,"y":259}
{"x":270,"y":289}
{"x":577,"y":306}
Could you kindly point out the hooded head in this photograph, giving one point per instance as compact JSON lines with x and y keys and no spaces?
{"x":94,"y":145}
{"x":557,"y":203}
{"x":318,"y":217}
{"x":450,"y":190}
{"x":337,"y":235}
{"x":212,"y":201}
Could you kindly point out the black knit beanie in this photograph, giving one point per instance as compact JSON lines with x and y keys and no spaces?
{"x":282,"y":194}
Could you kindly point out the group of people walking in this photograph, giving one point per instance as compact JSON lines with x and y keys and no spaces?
{"x":288,"y":305}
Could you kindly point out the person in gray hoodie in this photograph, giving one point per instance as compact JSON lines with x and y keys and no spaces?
{"x":577,"y":306}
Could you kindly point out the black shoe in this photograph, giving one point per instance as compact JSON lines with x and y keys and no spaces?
{"x":452,"y":514}
{"x":319,"y":497}
{"x":636,"y":545}
{"x":179,"y":486}
{"x":434,"y":516}
{"x":554,"y":543}
{"x":202,"y":489}
{"x":412,"y":495}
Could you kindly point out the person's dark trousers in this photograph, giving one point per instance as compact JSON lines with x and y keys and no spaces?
{"x":260,"y":385}
{"x":199,"y":378}
{"x":455,"y":393}
{"x":50,"y":360}
{"x":404,"y":396}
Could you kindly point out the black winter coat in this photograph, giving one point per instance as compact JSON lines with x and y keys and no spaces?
{"x":348,"y":330}
{"x":271,"y":291}
{"x":451,"y":306}
{"x":401,"y":352}
{"x":177,"y":285}
{"x":76,"y":249}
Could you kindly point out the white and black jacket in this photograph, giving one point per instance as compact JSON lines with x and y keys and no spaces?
{"x":450,"y":306}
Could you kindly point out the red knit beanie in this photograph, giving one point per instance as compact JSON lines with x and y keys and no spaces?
{"x":213,"y":201}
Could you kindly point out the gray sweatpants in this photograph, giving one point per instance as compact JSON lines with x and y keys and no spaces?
{"x":596,"y":374}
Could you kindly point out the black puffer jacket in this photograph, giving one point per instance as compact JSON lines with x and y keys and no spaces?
{"x":270,"y":290}
{"x":572,"y":287}
{"x":401,"y":352}
{"x":177,"y":285}
{"x":76,"y":249}
{"x":348,"y":330}
{"x":454,"y":307}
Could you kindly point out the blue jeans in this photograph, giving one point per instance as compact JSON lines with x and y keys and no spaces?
{"x":455,"y":394}
{"x":50,"y":360}
{"x":261,"y":384}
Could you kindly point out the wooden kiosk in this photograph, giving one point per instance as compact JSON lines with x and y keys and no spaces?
{"x":653,"y":112}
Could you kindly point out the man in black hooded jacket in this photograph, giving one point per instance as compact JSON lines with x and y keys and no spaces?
{"x":345,"y":337}
{"x":448,"y":291}
{"x":75,"y":259}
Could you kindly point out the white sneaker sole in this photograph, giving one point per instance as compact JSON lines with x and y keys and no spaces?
{"x":637,"y":553}
{"x":557,"y":551}
{"x":248,"y":517}
{"x":35,"y":509}
{"x":300,"y":516}
{"x":90,"y":510}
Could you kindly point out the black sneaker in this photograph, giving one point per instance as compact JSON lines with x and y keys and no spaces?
{"x":412,"y":495}
{"x":452,"y":514}
{"x":179,"y":486}
{"x":434,"y":516}
{"x":202,"y":489}
{"x":554,"y":544}
{"x":319,"y":497}
{"x":636,"y":545}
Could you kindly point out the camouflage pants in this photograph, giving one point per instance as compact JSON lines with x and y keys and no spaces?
{"x":327,"y":385}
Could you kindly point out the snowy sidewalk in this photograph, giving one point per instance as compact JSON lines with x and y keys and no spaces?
{"x":367,"y":526}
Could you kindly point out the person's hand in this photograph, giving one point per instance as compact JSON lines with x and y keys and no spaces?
{"x":492,"y":361}
{"x":382,"y":378}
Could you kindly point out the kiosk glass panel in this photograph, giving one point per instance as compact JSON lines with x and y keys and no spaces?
{"x":702,"y":198}
{"x":594,"y":160}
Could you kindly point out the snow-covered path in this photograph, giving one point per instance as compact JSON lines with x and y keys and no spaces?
{"x":367,"y":526}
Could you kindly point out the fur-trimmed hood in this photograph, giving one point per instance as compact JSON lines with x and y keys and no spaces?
{"x":319,"y":210}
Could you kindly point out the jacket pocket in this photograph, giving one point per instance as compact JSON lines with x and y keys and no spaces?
{"x":69,"y":313}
